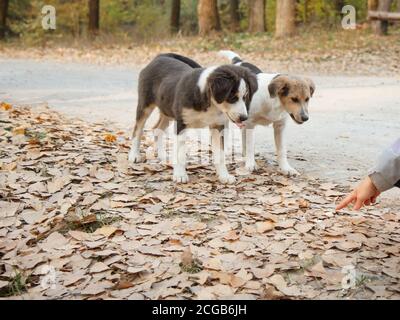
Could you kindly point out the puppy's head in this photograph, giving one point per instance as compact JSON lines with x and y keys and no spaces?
{"x":294,"y":94}
{"x":231,"y":89}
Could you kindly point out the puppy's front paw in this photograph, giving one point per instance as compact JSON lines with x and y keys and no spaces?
{"x":181,"y":177}
{"x":135,"y":157}
{"x":251,"y":167}
{"x":288,"y":171}
{"x":227,"y":179}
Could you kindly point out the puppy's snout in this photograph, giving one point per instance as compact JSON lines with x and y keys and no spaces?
{"x":243,"y":117}
{"x":304,"y":117}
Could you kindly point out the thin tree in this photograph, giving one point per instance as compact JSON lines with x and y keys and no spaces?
{"x":3,"y":17}
{"x":285,"y":18}
{"x":94,"y":17}
{"x":208,"y":16}
{"x":380,"y":27}
{"x":257,"y":16}
{"x":235,"y":15}
{"x":398,"y":6}
{"x":339,"y":4}
{"x":175,"y":15}
{"x":373,"y":5}
{"x":305,"y":11}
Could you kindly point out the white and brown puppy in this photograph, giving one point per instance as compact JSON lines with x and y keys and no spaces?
{"x":277,"y":97}
{"x":195,"y":98}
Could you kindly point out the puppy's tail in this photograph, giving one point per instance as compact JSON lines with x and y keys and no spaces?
{"x":183,"y":59}
{"x":232,"y":56}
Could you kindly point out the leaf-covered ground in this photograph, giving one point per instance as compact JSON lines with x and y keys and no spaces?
{"x":78,"y":222}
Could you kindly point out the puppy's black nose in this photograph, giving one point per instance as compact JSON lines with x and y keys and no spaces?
{"x":304,"y":117}
{"x":243,"y":118}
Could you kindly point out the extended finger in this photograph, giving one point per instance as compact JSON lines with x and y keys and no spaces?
{"x":346,"y":201}
{"x":358,"y":205}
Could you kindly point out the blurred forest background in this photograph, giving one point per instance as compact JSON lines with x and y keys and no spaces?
{"x":287,"y":35}
{"x":152,"y":20}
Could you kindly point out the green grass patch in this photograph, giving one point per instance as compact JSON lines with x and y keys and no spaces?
{"x":16,"y":286}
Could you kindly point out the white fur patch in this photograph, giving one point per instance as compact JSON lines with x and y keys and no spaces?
{"x":239,"y":108}
{"x":242,"y":89}
{"x":202,"y":83}
{"x":228,"y":54}
{"x":200,"y":119}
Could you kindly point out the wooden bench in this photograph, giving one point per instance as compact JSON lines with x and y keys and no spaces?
{"x":385,"y":16}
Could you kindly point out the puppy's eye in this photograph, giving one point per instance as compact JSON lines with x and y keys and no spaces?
{"x":295,"y":100}
{"x":308,"y":99}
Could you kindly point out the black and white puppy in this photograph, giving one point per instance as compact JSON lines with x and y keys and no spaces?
{"x":278,"y":97}
{"x":195,"y":98}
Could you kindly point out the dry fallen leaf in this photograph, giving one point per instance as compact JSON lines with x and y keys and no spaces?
{"x":348,"y":245}
{"x":3,"y":284}
{"x":19,"y":131}
{"x":32,"y":216}
{"x":106,"y":231}
{"x":104,"y":175}
{"x":98,"y":267}
{"x":303,"y":227}
{"x":304,"y":204}
{"x":265,"y":226}
{"x":5,"y":106}
{"x":93,"y":289}
{"x":110,"y":138}
{"x":213,"y":264}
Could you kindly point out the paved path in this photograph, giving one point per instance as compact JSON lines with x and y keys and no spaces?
{"x":352,"y":119}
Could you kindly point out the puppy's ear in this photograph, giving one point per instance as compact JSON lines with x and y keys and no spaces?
{"x":280,"y":86}
{"x":311,"y":84}
{"x":252,"y":83}
{"x":221,"y":86}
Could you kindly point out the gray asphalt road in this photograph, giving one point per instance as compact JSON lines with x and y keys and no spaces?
{"x":352,"y":118}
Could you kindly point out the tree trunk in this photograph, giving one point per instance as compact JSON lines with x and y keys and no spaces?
{"x":373,"y":5}
{"x":207,"y":11}
{"x":285,"y":18}
{"x":3,"y":17}
{"x":398,"y":6}
{"x":256,"y":16}
{"x":234,"y":14}
{"x":339,"y":4}
{"x":175,"y":15}
{"x":380,"y":27}
{"x":305,"y":9}
{"x":94,"y":17}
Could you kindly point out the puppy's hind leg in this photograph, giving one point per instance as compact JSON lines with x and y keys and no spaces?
{"x":142,"y":114}
{"x":217,"y":146}
{"x":160,"y":135}
{"x":249,"y":143}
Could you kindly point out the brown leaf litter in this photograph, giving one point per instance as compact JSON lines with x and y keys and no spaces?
{"x":77,"y":224}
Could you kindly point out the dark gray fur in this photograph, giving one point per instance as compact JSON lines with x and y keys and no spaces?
{"x":239,"y":62}
{"x":170,"y":83}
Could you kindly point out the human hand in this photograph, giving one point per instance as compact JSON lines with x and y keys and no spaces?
{"x":364,"y":194}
